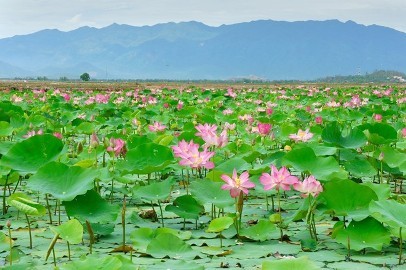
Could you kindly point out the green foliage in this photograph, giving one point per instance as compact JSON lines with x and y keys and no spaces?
{"x":85,"y":77}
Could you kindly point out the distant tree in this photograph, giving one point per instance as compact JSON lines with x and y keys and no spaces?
{"x":42,"y":78}
{"x":85,"y":77}
{"x":63,"y":79}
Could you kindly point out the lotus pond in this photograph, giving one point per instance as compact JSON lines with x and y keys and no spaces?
{"x":121,"y":176}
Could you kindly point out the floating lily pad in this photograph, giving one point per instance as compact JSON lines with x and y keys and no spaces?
{"x":168,"y":245}
{"x":261,"y":231}
{"x":302,"y":263}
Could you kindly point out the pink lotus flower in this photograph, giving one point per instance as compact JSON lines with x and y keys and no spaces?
{"x":183,"y":148}
{"x":156,"y":127}
{"x":208,"y":133}
{"x":309,"y":186}
{"x":378,"y":117}
{"x":236,"y":183}
{"x":94,"y":140}
{"x":269,"y":111}
{"x":301,"y":135}
{"x":190,"y":155}
{"x":33,"y":133}
{"x":100,"y":98}
{"x":264,"y":129}
{"x":319,"y":120}
{"x":206,"y":130}
{"x":403,"y":132}
{"x":278,"y":179}
{"x":58,"y":135}
{"x":197,"y":160}
{"x":66,"y":97}
{"x":180,"y":105}
{"x":117,"y":146}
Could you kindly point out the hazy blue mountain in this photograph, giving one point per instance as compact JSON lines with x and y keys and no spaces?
{"x":191,"y":50}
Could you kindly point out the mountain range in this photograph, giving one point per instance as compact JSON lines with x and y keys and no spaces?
{"x":265,"y":49}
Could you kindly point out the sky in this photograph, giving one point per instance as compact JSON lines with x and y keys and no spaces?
{"x":20,"y":17}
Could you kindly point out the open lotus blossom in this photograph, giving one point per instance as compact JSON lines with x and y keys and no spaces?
{"x":183,"y":148}
{"x":378,"y":117}
{"x":403,"y":132}
{"x":117,"y":146}
{"x":301,"y":135}
{"x":156,"y":127}
{"x":236,"y":183}
{"x":197,"y":160}
{"x":309,"y":186}
{"x":264,"y":129}
{"x":208,"y":133}
{"x":278,"y":179}
{"x":190,"y":155}
{"x":58,"y":135}
{"x":33,"y":133}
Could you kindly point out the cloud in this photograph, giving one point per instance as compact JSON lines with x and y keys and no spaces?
{"x":75,"y":19}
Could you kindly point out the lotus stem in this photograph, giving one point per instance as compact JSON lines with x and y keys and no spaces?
{"x":400,"y":245}
{"x":53,"y":255}
{"x":49,"y":208}
{"x":68,"y":250}
{"x":162,"y":214}
{"x":8,"y":224}
{"x":59,"y":212}
{"x":51,"y":246}
{"x":91,"y":235}
{"x":4,"y":196}
{"x":280,"y":214}
{"x":123,"y":221}
{"x":29,"y":230}
{"x":267,"y":202}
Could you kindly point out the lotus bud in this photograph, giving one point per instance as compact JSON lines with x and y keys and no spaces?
{"x":79,"y":148}
{"x":287,"y":148}
{"x":94,"y":141}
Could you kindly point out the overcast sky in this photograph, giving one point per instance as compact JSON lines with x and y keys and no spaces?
{"x":19,"y":17}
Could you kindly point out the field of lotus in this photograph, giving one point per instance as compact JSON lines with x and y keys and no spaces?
{"x":190,"y":177}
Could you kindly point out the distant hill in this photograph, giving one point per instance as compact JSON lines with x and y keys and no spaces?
{"x":379,"y":76}
{"x":269,"y":50}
